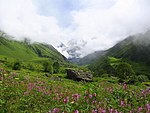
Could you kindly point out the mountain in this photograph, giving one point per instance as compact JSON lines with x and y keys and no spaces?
{"x":89,"y":58}
{"x":72,"y":49}
{"x":134,"y":50}
{"x":26,"y":51}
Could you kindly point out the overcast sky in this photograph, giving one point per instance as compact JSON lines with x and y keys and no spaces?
{"x":90,"y":24}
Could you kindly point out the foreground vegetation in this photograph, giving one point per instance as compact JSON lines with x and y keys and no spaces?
{"x":30,"y":92}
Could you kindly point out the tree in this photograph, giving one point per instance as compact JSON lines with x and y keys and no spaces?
{"x":56,"y":67}
{"x":124,"y":70}
{"x":27,"y":41}
{"x":48,"y":67}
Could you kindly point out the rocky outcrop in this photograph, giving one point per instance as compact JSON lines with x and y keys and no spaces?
{"x":79,"y":75}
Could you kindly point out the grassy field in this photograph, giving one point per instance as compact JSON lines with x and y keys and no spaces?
{"x":27,"y":91}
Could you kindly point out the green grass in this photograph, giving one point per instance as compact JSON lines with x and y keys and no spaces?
{"x":26,"y":91}
{"x":25,"y":52}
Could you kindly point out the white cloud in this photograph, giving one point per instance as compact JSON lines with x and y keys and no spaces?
{"x":109,"y":24}
{"x":20,"y":19}
{"x":100,"y":23}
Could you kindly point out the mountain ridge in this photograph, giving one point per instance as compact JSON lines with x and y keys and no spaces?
{"x":24,"y":50}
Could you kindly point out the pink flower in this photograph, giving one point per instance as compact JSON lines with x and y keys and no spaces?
{"x":66,"y":100}
{"x":90,"y":96}
{"x":122,"y":103}
{"x":125,"y":86}
{"x":56,"y":110}
{"x":94,"y":102}
{"x":148,"y":107}
{"x":75,"y":97}
{"x":102,"y":111}
{"x":139,"y":109}
{"x":76,"y":111}
{"x":116,"y":111}
{"x":25,"y":93}
{"x":94,"y":94}
{"x":94,"y":111}
{"x":111,"y":111}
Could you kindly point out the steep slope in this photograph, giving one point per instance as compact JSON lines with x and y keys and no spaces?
{"x":25,"y":51}
{"x":91,"y":58}
{"x":134,"y":50}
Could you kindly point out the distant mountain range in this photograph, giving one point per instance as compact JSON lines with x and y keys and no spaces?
{"x":134,"y":49}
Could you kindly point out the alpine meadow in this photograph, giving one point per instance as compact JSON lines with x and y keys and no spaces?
{"x":74,"y":56}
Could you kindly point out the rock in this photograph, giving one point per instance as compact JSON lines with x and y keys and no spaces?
{"x":79,"y":75}
{"x":58,"y":78}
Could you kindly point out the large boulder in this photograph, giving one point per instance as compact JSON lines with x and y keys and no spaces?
{"x":79,"y":75}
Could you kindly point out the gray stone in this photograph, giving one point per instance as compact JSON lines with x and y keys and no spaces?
{"x":79,"y":75}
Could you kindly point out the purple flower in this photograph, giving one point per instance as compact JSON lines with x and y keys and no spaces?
{"x":122,"y":103}
{"x":139,"y":109}
{"x":66,"y":100}
{"x":90,"y":96}
{"x":94,"y":111}
{"x":75,"y":97}
{"x":110,"y":110}
{"x":125,"y":86}
{"x":56,"y":110}
{"x":76,"y":111}
{"x":148,"y":107}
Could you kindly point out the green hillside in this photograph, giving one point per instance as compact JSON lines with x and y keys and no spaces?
{"x":135,"y":50}
{"x":28,"y":52}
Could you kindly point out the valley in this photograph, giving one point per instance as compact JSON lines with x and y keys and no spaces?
{"x":33,"y":78}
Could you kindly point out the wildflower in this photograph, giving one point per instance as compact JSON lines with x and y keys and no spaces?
{"x":116,"y":111}
{"x":25,"y":93}
{"x":139,"y":109}
{"x":102,"y":111}
{"x":56,"y":110}
{"x":75,"y":97}
{"x":66,"y":100}
{"x":90,"y":96}
{"x":94,"y":111}
{"x":122,"y":103}
{"x":94,"y":102}
{"x":76,"y":111}
{"x":94,"y":94}
{"x":148,"y":107}
{"x":72,"y":102}
{"x":110,"y":110}
{"x":125,"y":86}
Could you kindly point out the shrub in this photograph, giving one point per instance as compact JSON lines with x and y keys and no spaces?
{"x":142,"y":78}
{"x":56,"y":67}
{"x":48,"y":67}
{"x":17,"y":66}
{"x":124,"y":70}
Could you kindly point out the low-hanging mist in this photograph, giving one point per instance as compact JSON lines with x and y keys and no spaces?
{"x":81,"y":27}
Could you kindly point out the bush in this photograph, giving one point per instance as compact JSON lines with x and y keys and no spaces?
{"x":124,"y":71}
{"x":17,"y":66}
{"x":142,"y":78}
{"x":62,"y":70}
{"x":56,"y":67}
{"x":48,"y":67}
